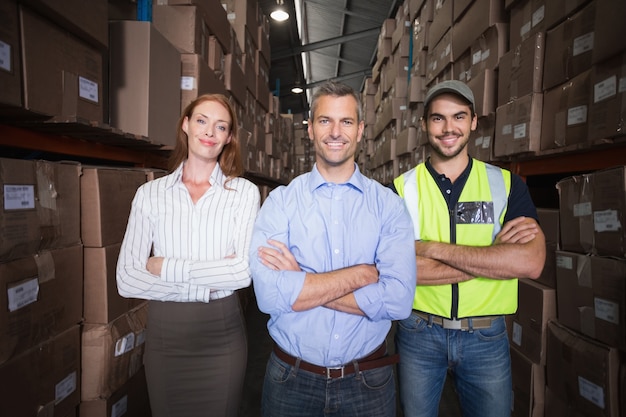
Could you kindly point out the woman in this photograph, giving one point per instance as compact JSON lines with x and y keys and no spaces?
{"x":186,"y":250}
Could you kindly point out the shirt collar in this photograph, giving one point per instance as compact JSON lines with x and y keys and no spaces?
{"x":316,"y":180}
{"x":217,"y":177}
{"x":435,"y":174}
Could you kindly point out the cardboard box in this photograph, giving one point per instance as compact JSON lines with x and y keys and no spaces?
{"x":609,"y":211}
{"x":520,"y":70}
{"x":214,"y":17}
{"x":112,"y":353}
{"x":549,"y":222}
{"x":518,"y":126}
{"x":86,"y":20}
{"x":569,"y":47}
{"x":565,"y":113}
{"x":442,"y":21}
{"x":527,"y":18}
{"x":406,"y":141}
{"x":42,"y":297}
{"x":131,"y":399}
{"x":592,"y":296}
{"x":440,"y":57}
{"x":44,"y":381}
{"x":609,"y":39}
{"x":576,"y":214}
{"x":184,"y":27}
{"x":197,"y":79}
{"x":481,"y":15}
{"x":529,"y":383}
{"x":10,"y":65}
{"x":62,"y":74}
{"x":145,"y":74}
{"x":536,"y":306}
{"x":488,"y":48}
{"x":484,"y":84}
{"x":106,"y":197}
{"x":582,"y":373}
{"x":608,"y":99}
{"x":41,"y":203}
{"x":480,"y":145}
{"x":556,"y":11}
{"x":103,"y":304}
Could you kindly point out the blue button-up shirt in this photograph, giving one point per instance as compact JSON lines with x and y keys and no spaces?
{"x":327,"y":227}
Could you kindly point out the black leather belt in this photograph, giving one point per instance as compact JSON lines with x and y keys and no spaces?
{"x":458,"y":324}
{"x":377,"y":359}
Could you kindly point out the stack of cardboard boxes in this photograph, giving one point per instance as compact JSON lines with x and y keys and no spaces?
{"x":69,"y":344}
{"x":94,"y":64}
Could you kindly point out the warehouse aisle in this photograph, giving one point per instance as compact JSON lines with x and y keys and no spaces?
{"x":259,"y":347}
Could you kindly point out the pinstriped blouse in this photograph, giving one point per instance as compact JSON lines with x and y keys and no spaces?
{"x":194,"y":239}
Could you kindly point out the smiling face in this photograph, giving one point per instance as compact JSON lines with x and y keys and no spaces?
{"x":448,"y":126}
{"x":208,"y":129}
{"x":335,"y":131}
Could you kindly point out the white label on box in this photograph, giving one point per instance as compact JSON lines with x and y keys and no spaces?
{"x":125,"y":344}
{"x":577,"y":115}
{"x":476,"y":57}
{"x":591,"y":391}
{"x":120,"y":408}
{"x":582,"y":209}
{"x":524,"y":29}
{"x":478,"y":143}
{"x":606,"y":221}
{"x":65,"y":387}
{"x":188,"y":83}
{"x":583,"y":44}
{"x":564,"y":262}
{"x":486,"y":142}
{"x":88,"y":89}
{"x":605,"y":89}
{"x":539,"y":15}
{"x":23,"y":294}
{"x":606,"y":310}
{"x":507,"y":129}
{"x":485,"y":55}
{"x":519,"y":131}
{"x":19,"y":197}
{"x":516,"y":337}
{"x":5,"y":56}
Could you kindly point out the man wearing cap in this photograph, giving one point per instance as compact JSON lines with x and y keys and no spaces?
{"x":476,"y":232}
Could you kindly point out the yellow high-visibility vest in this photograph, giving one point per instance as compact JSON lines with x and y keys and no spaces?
{"x":477,"y":219}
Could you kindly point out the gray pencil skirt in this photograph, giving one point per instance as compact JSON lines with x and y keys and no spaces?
{"x":195,"y":358}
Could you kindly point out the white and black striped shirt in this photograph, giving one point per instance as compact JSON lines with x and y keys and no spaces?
{"x":194,"y":239}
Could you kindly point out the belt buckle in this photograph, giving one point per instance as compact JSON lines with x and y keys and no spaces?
{"x":335,"y":368}
{"x":451,"y":324}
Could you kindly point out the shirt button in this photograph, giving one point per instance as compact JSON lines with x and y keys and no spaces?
{"x":448,"y":191}
{"x":336,"y":336}
{"x":336,"y":251}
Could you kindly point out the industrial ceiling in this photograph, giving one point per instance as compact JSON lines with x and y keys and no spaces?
{"x":323,"y":40}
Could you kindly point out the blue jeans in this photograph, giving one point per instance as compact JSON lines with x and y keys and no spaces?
{"x":291,"y":392}
{"x":479,"y":361}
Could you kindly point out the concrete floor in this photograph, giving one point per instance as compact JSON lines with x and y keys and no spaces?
{"x":259,"y":348}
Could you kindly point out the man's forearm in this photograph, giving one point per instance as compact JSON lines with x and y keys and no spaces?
{"x":347,"y":304}
{"x":502,"y":261}
{"x":433,"y":272}
{"x":323,"y":288}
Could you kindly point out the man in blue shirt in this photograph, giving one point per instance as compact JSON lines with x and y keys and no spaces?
{"x":332,"y":260}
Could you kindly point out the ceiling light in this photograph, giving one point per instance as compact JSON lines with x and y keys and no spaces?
{"x":297,"y":89}
{"x":279,"y":14}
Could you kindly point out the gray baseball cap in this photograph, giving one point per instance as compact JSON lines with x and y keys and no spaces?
{"x":450,"y":86}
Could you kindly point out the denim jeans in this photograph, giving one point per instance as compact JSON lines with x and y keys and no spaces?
{"x":291,"y":392}
{"x":479,"y":361}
